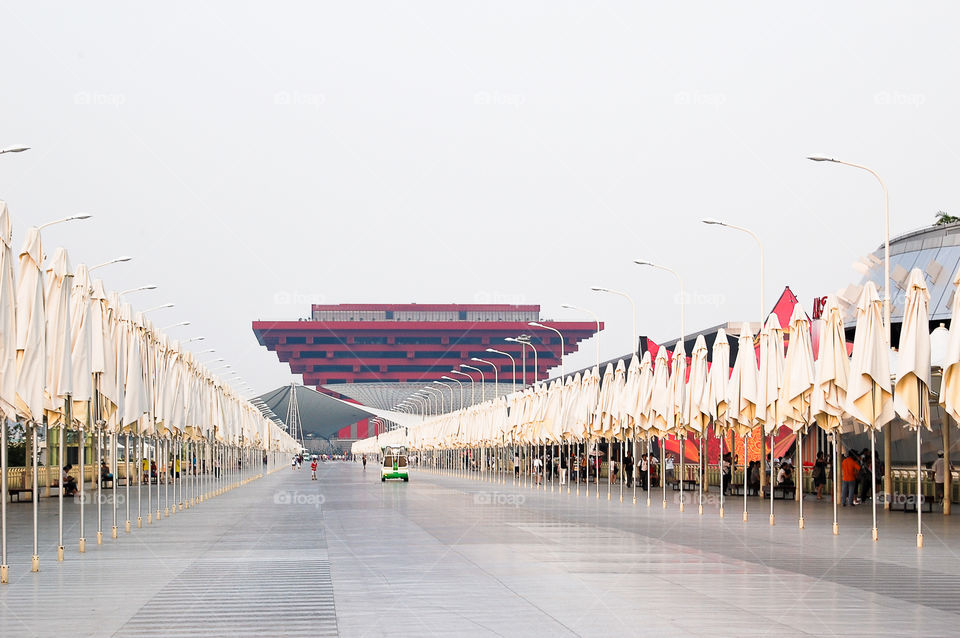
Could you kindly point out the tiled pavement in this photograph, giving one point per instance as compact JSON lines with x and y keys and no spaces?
{"x":452,"y":556}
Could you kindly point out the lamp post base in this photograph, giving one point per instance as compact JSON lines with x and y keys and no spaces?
{"x":99,"y":538}
{"x":35,"y":564}
{"x":139,"y":522}
{"x":60,"y":554}
{"x":836,"y":529}
{"x":721,"y":512}
{"x":746,"y":516}
{"x":4,"y":574}
{"x":113,"y":531}
{"x":772,"y":520}
{"x":800,"y":522}
{"x":876,"y":534}
{"x":83,"y":545}
{"x":126,"y":527}
{"x":681,"y":506}
{"x":919,"y":541}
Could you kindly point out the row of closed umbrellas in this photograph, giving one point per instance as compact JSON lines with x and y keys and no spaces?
{"x":783,"y":386}
{"x":75,"y":357}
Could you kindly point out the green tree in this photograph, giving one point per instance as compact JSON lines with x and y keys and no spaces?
{"x":944,"y":218}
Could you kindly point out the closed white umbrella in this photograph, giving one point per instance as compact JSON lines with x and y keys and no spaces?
{"x":950,"y":383}
{"x":869,"y":397}
{"x":627,"y":406}
{"x":949,"y":396}
{"x":31,"y":356}
{"x":8,"y":366}
{"x":102,"y":366}
{"x":716,"y":396}
{"x":697,"y":405}
{"x":59,"y":384}
{"x":771,"y":378}
{"x":797,"y":388}
{"x":661,"y":409}
{"x":641,"y":410}
{"x":742,"y":399}
{"x":831,"y":377}
{"x":911,"y":394}
{"x":31,"y":330}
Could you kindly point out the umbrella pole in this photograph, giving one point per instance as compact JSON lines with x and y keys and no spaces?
{"x":4,"y":568}
{"x":683,"y":453}
{"x":99,"y":478}
{"x":623,"y":474}
{"x":113,"y":484}
{"x":772,"y":519}
{"x":634,"y":471}
{"x":36,"y":496}
{"x":61,"y":441}
{"x":139,"y":472}
{"x":923,"y":400}
{"x":166,"y":478}
{"x":700,"y":474}
{"x":609,"y":467}
{"x":596,"y":467}
{"x":663,"y":470}
{"x":746,"y":517}
{"x":579,"y":449}
{"x":126,"y":478}
{"x":146,"y":454}
{"x":157,"y":447}
{"x":720,"y":463}
{"x":835,"y":467}
{"x":873,"y":479}
{"x":82,"y":457}
{"x":799,"y":478}
{"x":649,"y":485}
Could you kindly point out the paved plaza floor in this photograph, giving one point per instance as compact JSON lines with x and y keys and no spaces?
{"x":444,"y":555}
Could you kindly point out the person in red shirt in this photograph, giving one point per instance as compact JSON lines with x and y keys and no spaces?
{"x":313,"y":470}
{"x":849,"y":470}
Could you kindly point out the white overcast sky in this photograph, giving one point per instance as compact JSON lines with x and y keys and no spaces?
{"x":257,"y":157}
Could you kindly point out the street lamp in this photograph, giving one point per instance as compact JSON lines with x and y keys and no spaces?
{"x":459,"y":383}
{"x":207,"y":351}
{"x":524,"y":340}
{"x":176,"y":325}
{"x":683,"y":297}
{"x":513,"y":365}
{"x":107,"y":263}
{"x":633,"y":310}
{"x":483,"y":392}
{"x":887,"y":432}
{"x":763,"y":306}
{"x":65,"y":219}
{"x":595,"y":318}
{"x":160,"y":307}
{"x":496,"y":374}
{"x":444,"y":385}
{"x":536,"y":324}
{"x":473,"y":398}
{"x":430,"y":392}
{"x":763,"y":316}
{"x":147,"y":287}
{"x":193,"y":339}
{"x":14,"y":149}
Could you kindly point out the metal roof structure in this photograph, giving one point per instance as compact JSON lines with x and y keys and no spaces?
{"x":321,"y":415}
